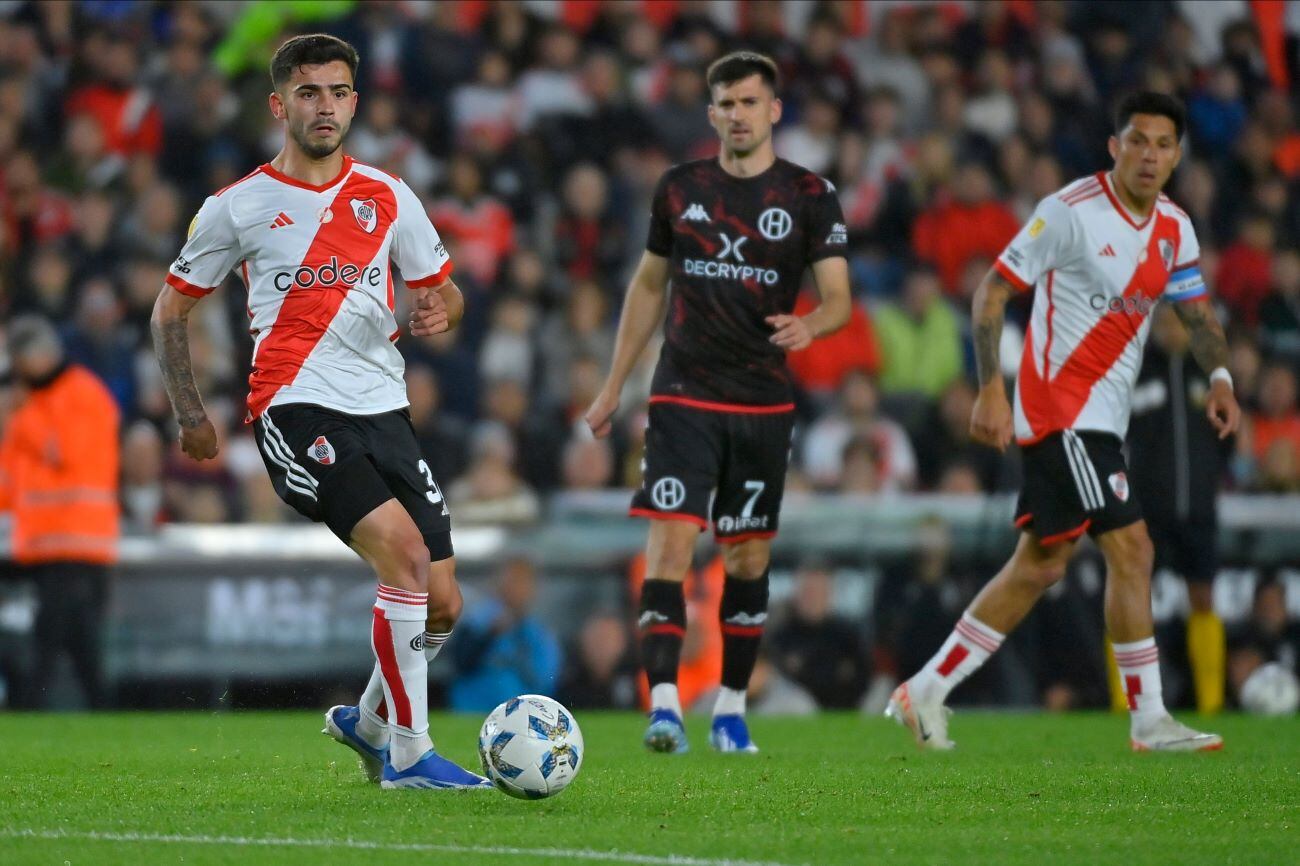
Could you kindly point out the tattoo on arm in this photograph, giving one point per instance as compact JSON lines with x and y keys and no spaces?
{"x":989,"y":306}
{"x":171,"y":344}
{"x":1208,"y":345}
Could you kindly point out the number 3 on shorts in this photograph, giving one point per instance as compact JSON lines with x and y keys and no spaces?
{"x":434,"y":495}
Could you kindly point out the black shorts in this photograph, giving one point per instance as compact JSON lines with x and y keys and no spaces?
{"x":1188,"y":548}
{"x":1076,"y":481}
{"x":725,"y":468}
{"x":336,"y":468}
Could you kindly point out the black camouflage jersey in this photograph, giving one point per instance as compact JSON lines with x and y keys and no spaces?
{"x":738,"y":248}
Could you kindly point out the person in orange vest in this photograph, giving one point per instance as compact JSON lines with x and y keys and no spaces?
{"x":58,"y":476}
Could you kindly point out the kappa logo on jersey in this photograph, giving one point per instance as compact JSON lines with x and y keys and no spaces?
{"x":366,"y":215}
{"x":1119,"y":484}
{"x":839,"y":234}
{"x":731,"y":249}
{"x":668,"y":494}
{"x":695,"y":213}
{"x":322,"y":451}
{"x":775,"y":223}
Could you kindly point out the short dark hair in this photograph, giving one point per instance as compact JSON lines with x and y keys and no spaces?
{"x":311,"y":49}
{"x":1151,"y":102}
{"x":739,"y":65}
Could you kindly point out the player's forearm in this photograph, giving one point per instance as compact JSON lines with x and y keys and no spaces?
{"x":987,"y":311}
{"x":171,"y":344}
{"x":455,"y":301}
{"x":829,"y":316}
{"x":1208,"y":345}
{"x":643,"y":308}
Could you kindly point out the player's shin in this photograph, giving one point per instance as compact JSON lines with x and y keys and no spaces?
{"x":968,"y":647}
{"x":663,"y":626}
{"x":743,"y":614}
{"x":398,"y":640}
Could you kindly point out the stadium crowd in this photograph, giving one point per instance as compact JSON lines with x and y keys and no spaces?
{"x":535,"y":132}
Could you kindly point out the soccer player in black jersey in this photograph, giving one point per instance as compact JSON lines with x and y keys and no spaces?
{"x":733,"y":236}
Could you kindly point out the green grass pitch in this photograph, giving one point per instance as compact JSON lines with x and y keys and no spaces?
{"x":145,"y":789}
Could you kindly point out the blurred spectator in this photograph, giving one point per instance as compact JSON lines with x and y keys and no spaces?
{"x":441,"y":435}
{"x":501,"y":648}
{"x":966,"y":223}
{"x":1279,"y":314}
{"x":486,"y":108}
{"x":857,"y":416}
{"x":588,"y":244}
{"x":820,"y":369}
{"x":32,"y":214}
{"x":943,"y":443}
{"x":142,"y":469}
{"x":813,"y":141}
{"x":1244,"y":277}
{"x":554,"y":86}
{"x":817,"y":648}
{"x":382,"y":142}
{"x":1216,"y":112}
{"x":580,"y":329}
{"x":490,"y":491}
{"x":509,"y":351}
{"x":588,"y":463}
{"x":599,"y":671}
{"x":96,"y":340}
{"x":1273,"y":433}
{"x":128,"y":120}
{"x":920,"y":339}
{"x":680,"y":119}
{"x":481,"y":226}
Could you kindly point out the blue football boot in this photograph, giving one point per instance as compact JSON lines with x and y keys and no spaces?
{"x":666,"y":733}
{"x":341,"y":724}
{"x":432,"y":771}
{"x":730,"y":734}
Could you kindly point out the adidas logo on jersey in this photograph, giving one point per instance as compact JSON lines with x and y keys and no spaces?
{"x":281,"y":221}
{"x":1107,"y":250}
{"x":695,"y":213}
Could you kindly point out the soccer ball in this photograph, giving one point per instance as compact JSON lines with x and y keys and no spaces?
{"x":531,"y":747}
{"x":1271,"y":690}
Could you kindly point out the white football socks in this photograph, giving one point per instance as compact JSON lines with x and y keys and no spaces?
{"x":730,"y":702}
{"x":372,"y":726}
{"x":664,"y":697}
{"x":1139,"y":671}
{"x":966,"y":649}
{"x":397,"y":637}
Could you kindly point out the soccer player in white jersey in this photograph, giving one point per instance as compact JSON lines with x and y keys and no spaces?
{"x":1098,"y":255}
{"x":312,"y":234}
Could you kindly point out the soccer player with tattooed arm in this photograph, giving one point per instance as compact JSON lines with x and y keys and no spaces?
{"x":1098,"y":256}
{"x":312,"y":235}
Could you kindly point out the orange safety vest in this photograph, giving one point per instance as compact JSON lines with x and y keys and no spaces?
{"x":59,"y":472}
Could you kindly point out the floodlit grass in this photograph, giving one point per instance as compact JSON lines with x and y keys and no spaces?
{"x":141,"y":789}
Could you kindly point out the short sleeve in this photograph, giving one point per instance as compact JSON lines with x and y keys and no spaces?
{"x":211,"y":250}
{"x":417,"y":250}
{"x":1185,"y":280}
{"x":827,"y":235}
{"x":660,"y":237}
{"x":1042,"y":244}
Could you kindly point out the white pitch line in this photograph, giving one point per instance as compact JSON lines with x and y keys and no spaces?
{"x":364,"y":845}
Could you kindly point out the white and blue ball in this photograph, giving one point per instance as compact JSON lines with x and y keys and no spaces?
{"x":531,"y":747}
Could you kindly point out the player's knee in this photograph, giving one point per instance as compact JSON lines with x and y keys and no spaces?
{"x":746,"y":560}
{"x":1043,"y":573}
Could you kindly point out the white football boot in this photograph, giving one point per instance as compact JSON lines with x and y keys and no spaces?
{"x":1167,"y":734}
{"x":926,"y":719}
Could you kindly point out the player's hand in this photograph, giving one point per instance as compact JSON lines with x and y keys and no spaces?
{"x":792,"y":332}
{"x":600,"y":416}
{"x":200,"y":442}
{"x":429,"y":315}
{"x":1222,"y":410}
{"x":990,"y":420}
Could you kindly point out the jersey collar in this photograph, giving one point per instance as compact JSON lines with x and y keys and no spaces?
{"x":1119,"y":206}
{"x":275,"y":174}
